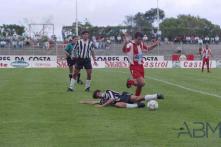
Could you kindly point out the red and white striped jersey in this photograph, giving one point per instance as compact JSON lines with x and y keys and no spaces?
{"x":135,"y":52}
{"x":206,"y":53}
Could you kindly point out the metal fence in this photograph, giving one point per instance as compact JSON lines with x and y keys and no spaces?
{"x":110,"y":46}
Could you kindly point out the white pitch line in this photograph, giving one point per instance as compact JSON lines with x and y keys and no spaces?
{"x":180,"y":86}
{"x":185,"y":88}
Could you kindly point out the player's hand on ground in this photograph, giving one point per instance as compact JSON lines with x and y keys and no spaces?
{"x":98,"y":106}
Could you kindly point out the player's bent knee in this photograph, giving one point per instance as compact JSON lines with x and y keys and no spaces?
{"x":141,"y":84}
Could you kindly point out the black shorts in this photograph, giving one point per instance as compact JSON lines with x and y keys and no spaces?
{"x":86,"y":63}
{"x":125,"y":97}
{"x":71,"y":62}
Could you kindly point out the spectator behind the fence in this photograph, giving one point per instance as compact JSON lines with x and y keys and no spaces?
{"x":2,"y":44}
{"x":46,"y":45}
{"x":21,"y":43}
{"x":14,"y":43}
{"x":206,"y":40}
{"x":200,"y":53}
{"x":200,"y":41}
{"x":183,"y":57}
{"x":166,"y":40}
{"x":108,"y":45}
{"x":188,"y":39}
{"x":217,"y":39}
{"x":112,"y":38}
{"x":212,"y":40}
{"x":196,"y":39}
{"x":145,"y":38}
{"x":27,"y":41}
{"x":119,"y":39}
{"x":95,"y":42}
{"x":192,"y":39}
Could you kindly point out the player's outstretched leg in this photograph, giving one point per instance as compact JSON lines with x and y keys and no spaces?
{"x":137,"y":99}
{"x":129,"y":106}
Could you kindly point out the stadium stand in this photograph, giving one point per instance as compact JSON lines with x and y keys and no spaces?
{"x":166,"y":50}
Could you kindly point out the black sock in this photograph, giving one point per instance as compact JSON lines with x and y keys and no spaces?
{"x":78,"y":77}
{"x":70,"y":76}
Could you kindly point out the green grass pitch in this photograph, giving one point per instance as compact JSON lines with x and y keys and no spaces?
{"x":36,"y":110}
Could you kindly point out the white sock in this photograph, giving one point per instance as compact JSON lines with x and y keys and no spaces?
{"x":72,"y":84}
{"x":87,"y":84}
{"x":131,"y":106}
{"x":150,"y":97}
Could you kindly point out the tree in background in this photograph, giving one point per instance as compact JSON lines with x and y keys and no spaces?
{"x":187,"y":25}
{"x":151,"y":15}
{"x":144,"y":22}
{"x":10,"y":30}
{"x":183,"y":25}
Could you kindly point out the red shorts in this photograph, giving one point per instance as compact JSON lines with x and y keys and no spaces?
{"x":205,"y":60}
{"x":137,"y":71}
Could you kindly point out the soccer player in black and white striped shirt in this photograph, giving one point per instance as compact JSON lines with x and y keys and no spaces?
{"x":85,"y":49}
{"x":120,"y":100}
{"x":71,"y":57}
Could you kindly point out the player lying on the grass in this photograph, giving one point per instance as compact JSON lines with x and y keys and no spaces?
{"x":119,"y":100}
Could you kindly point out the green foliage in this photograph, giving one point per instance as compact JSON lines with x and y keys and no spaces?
{"x":11,"y":29}
{"x":139,"y":22}
{"x":171,"y":27}
{"x":188,"y":25}
{"x":44,"y":39}
{"x":151,"y":15}
{"x":144,"y":21}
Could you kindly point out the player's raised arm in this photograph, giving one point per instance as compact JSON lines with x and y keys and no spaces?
{"x":126,"y":47}
{"x":147,"y":48}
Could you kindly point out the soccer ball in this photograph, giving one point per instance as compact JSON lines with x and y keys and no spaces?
{"x":152,"y":105}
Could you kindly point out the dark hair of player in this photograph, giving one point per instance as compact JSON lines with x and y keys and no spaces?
{"x":138,"y":34}
{"x":73,"y":37}
{"x":95,"y":94}
{"x":84,"y":32}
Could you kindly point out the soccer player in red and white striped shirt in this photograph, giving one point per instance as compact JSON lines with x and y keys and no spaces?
{"x":134,"y":50}
{"x":206,"y":54}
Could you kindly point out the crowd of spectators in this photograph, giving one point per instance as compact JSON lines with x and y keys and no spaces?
{"x":197,"y":39}
{"x":100,"y":42}
{"x":14,"y":42}
{"x":17,"y":42}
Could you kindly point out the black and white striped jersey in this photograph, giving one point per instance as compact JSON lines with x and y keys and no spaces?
{"x":84,"y":48}
{"x":109,"y":94}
